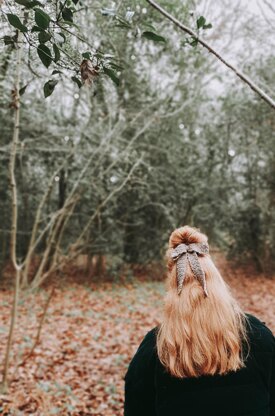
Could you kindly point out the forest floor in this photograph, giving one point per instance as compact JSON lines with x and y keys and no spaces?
{"x":90,"y":334}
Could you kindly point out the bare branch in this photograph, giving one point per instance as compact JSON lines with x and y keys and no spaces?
{"x":39,"y":330}
{"x":37,"y":219}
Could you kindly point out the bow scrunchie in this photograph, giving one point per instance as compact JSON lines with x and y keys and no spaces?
{"x":183,"y":253}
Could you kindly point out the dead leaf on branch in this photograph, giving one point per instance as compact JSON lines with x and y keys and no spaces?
{"x":88,"y":71}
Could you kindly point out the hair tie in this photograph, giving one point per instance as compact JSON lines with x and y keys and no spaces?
{"x":183,"y":253}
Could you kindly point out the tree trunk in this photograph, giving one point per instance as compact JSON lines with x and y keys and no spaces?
{"x":13,"y":238}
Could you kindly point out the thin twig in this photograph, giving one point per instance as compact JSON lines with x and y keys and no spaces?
{"x":39,"y":330}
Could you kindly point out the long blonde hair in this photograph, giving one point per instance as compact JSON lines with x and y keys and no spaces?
{"x":200,"y":335}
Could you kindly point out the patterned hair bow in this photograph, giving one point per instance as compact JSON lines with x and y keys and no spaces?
{"x":183,"y":253}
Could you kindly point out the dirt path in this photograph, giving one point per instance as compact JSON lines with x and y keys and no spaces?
{"x":88,"y":339}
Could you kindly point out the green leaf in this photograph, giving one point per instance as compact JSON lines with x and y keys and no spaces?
{"x":115,"y":66}
{"x":194,"y":42}
{"x":42,"y":19}
{"x":99,"y":54}
{"x":208,"y":26}
{"x":44,"y":37}
{"x":201,"y":21}
{"x":49,"y":87}
{"x":23,"y":2}
{"x":122,"y":26}
{"x":86,"y":55}
{"x":22,"y":90}
{"x":45,"y":55}
{"x":111,"y":74}
{"x":153,"y":36}
{"x":56,"y":71}
{"x":123,"y":23}
{"x":35,"y":3}
{"x":56,"y":52}
{"x":77,"y":81}
{"x":67,"y":15}
{"x":16,"y":22}
{"x":28,"y":3}
{"x":36,"y":29}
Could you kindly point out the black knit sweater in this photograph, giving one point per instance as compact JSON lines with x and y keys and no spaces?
{"x":151,"y":391}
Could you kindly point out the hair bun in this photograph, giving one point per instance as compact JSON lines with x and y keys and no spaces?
{"x":186,"y":235}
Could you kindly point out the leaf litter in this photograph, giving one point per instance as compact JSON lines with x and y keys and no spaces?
{"x":90,"y":333}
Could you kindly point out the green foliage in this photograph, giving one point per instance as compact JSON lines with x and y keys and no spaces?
{"x":57,"y":54}
{"x":23,"y":89}
{"x":42,"y":19}
{"x":29,"y":4}
{"x":16,"y":22}
{"x":45,"y":55}
{"x":201,"y":23}
{"x":86,"y":55}
{"x":111,"y":74}
{"x":44,"y":37}
{"x":49,"y":87}
{"x":51,"y":38}
{"x":77,"y":81}
{"x":153,"y":36}
{"x":67,"y":14}
{"x":204,"y":160}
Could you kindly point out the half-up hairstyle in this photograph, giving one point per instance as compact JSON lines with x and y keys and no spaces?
{"x":199,"y":335}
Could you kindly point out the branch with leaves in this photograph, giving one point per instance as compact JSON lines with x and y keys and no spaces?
{"x":49,"y":32}
{"x":197,"y":39}
{"x":49,"y":36}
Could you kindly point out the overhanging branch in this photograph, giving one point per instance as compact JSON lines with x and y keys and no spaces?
{"x":258,"y":90}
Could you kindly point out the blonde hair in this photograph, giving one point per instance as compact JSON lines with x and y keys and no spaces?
{"x":200,"y":335}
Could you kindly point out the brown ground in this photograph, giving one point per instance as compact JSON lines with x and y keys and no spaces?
{"x":89,"y":336}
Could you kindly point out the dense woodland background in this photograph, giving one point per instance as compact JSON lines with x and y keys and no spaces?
{"x":198,"y":143}
{"x":127,"y":129}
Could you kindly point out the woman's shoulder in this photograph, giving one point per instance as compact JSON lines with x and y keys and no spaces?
{"x":259,"y":333}
{"x":256,"y":323}
{"x":144,"y":358}
{"x":148,"y":344}
{"x":150,"y":337}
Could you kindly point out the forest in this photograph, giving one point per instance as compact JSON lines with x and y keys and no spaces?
{"x":120,"y":121}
